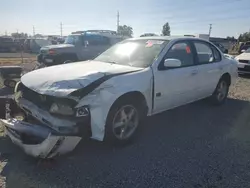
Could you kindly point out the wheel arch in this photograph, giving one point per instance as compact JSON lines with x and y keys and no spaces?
{"x":136,"y":96}
{"x":227,"y":77}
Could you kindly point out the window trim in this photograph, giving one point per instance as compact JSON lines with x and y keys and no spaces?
{"x":210,"y":46}
{"x":97,"y":38}
{"x":213,"y":47}
{"x":161,"y":66}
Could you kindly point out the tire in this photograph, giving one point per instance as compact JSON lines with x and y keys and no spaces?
{"x":111,"y":133}
{"x":221,"y":92}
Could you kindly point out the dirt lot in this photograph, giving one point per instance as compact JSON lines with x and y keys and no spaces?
{"x":17,"y":59}
{"x":196,"y":145}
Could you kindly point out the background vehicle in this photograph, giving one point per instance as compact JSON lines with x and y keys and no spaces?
{"x":79,"y":46}
{"x":7,"y":44}
{"x":221,"y":47}
{"x":106,"y":98}
{"x":244,"y":46}
{"x":34,"y":45}
{"x":244,"y":62}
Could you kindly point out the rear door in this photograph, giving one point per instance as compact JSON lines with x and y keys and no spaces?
{"x":210,"y":67}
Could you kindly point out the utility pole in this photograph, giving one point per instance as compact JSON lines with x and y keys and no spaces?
{"x":210,"y":29}
{"x":118,"y":20}
{"x":61,"y":28}
{"x":34,"y":32}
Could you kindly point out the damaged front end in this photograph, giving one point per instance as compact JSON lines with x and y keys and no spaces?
{"x":46,"y":126}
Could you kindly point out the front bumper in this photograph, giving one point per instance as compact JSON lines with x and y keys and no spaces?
{"x":38,"y":141}
{"x":243,"y":68}
{"x":43,"y":135}
{"x":49,"y":60}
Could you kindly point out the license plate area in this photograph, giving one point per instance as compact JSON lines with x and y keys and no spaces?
{"x":48,"y":60}
{"x":241,"y":65}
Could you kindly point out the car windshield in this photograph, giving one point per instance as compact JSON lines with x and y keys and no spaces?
{"x":72,"y":39}
{"x":137,"y":53}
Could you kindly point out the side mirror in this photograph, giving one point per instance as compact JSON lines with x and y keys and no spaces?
{"x":172,"y":63}
{"x":242,"y":51}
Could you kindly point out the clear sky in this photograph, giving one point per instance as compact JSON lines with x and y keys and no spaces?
{"x":229,"y":17}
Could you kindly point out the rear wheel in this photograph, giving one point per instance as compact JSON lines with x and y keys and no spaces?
{"x":221,"y":92}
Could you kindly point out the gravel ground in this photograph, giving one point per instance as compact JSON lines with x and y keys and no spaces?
{"x":197,"y":145}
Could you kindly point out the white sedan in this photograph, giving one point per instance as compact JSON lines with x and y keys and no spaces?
{"x":244,"y":62}
{"x":106,"y":98}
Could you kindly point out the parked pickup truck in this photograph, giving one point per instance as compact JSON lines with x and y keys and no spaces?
{"x":106,"y":98}
{"x":78,"y":46}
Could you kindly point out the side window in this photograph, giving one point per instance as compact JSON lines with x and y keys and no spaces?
{"x":204,"y":53}
{"x":104,"y":40}
{"x":183,"y":52}
{"x":216,"y":53}
{"x":97,"y":40}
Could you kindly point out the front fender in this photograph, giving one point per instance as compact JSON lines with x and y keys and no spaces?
{"x":101,"y":100}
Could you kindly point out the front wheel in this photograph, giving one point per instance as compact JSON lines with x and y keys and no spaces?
{"x":220,"y":94}
{"x":122,"y":122}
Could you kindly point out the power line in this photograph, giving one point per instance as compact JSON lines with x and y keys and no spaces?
{"x":118,"y":20}
{"x":210,"y":29}
{"x":61,"y":28}
{"x":34,"y":32}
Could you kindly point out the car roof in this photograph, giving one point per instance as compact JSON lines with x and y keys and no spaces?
{"x":169,"y":38}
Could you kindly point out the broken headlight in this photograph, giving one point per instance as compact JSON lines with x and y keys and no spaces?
{"x":82,"y":111}
{"x":62,"y":109}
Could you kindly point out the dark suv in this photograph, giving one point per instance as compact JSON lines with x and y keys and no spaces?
{"x":78,"y":46}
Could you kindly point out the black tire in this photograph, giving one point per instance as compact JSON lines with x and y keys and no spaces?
{"x":109,"y":133}
{"x":217,"y":98}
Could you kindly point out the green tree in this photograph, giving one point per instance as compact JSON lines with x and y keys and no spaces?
{"x":125,"y":30}
{"x":244,"y":37}
{"x":38,"y":35}
{"x":166,"y":29}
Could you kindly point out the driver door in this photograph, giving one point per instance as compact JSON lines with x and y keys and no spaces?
{"x":176,"y":86}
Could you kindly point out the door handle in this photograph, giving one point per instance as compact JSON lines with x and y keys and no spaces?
{"x":194,"y":72}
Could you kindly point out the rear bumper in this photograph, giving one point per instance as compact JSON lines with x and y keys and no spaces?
{"x":43,"y":135}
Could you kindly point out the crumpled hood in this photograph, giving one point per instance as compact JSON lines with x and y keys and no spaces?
{"x":243,"y":56}
{"x":57,"y":46}
{"x":61,"y":80}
